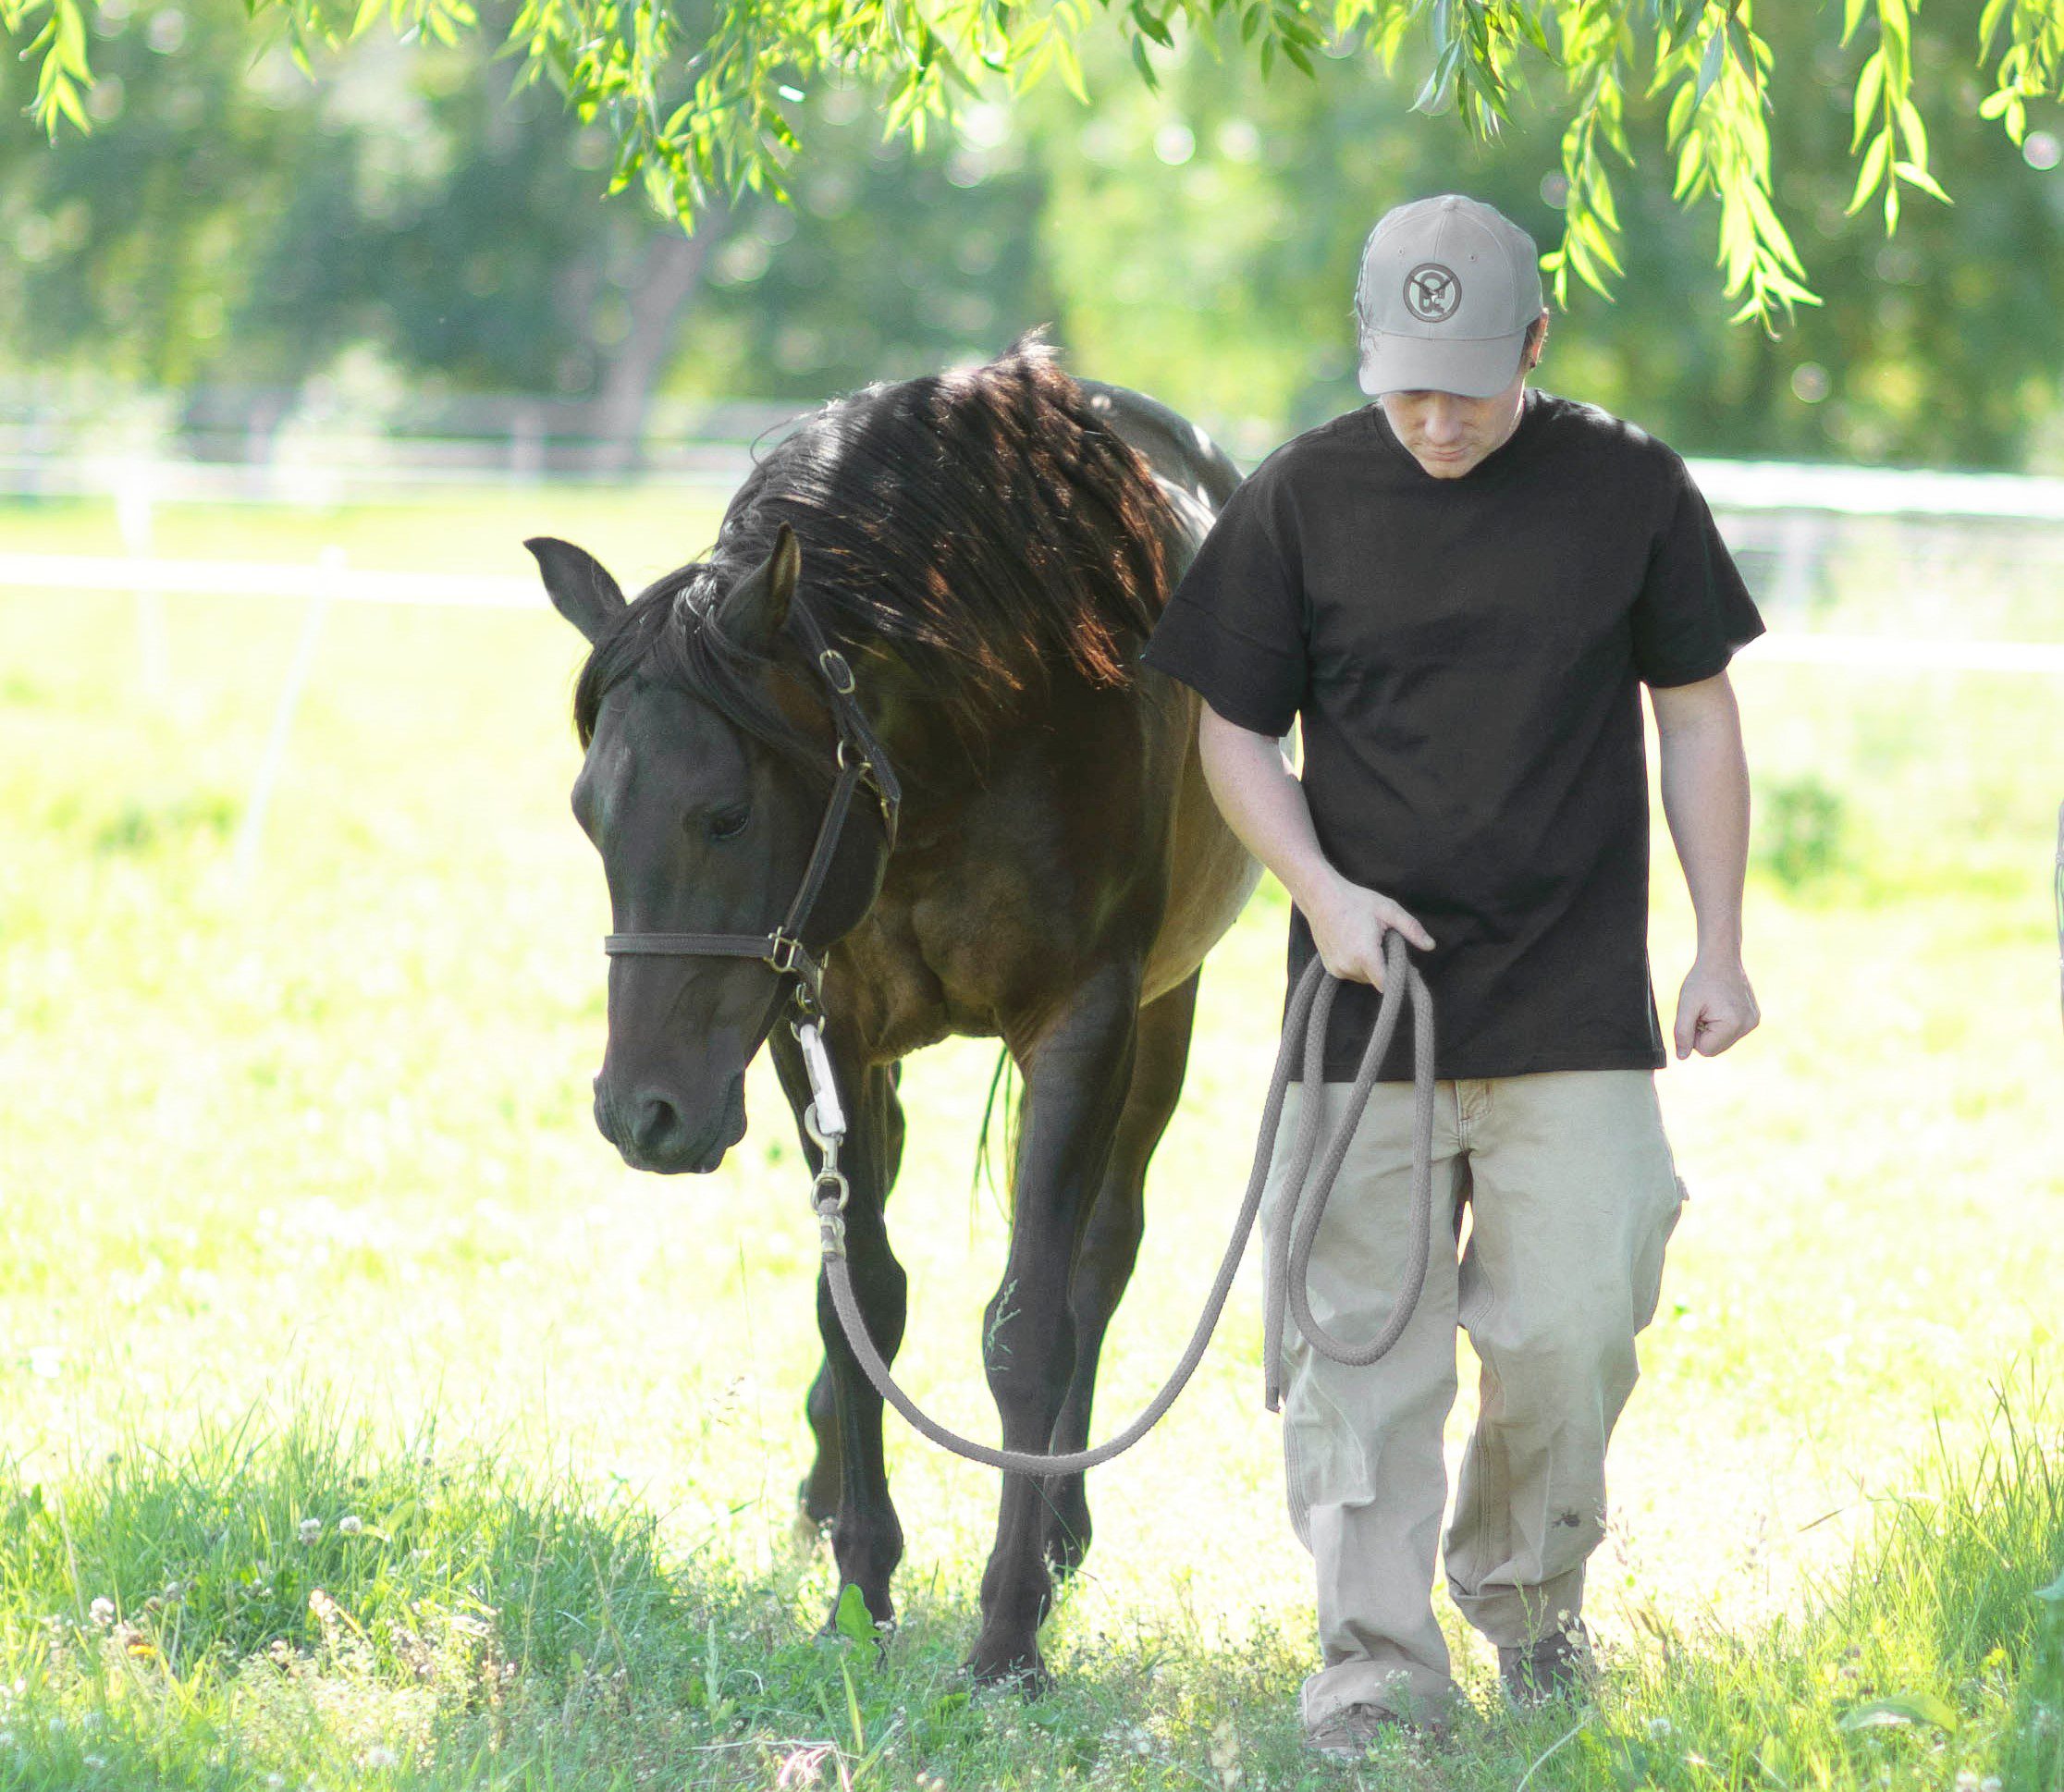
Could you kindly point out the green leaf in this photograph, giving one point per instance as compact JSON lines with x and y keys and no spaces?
{"x":1146,"y":68}
{"x":1710,"y":65}
{"x":1691,"y":167}
{"x":1914,"y":174}
{"x":1914,"y":132}
{"x":1988,"y":26}
{"x":1438,"y":93}
{"x":1591,"y":233}
{"x":1873,"y":171}
{"x":1869,"y":89}
{"x":1682,"y":106}
{"x":853,"y":1620}
{"x":1905,"y":1708}
{"x":1071,"y":67}
{"x":1852,"y":16}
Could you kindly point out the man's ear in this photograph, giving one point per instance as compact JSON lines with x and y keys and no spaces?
{"x":753,"y":611}
{"x":579,"y":585}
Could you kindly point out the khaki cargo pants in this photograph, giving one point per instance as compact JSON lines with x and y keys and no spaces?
{"x":1572,"y":1196}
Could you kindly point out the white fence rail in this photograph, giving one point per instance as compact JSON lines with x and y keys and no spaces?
{"x":1787,"y":521}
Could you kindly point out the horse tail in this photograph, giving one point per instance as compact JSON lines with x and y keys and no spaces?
{"x":1000,"y":1080}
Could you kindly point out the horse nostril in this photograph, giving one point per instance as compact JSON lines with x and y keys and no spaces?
{"x":655,"y":1120}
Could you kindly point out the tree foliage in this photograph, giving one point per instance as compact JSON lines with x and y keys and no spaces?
{"x":704,"y":101}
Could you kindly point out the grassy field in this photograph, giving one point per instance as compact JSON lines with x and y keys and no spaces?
{"x":305,"y":1233}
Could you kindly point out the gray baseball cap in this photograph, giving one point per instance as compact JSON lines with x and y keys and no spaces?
{"x":1448,"y":288}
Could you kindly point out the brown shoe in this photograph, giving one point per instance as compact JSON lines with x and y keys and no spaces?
{"x":1559,"y":1667}
{"x":1353,"y":1730}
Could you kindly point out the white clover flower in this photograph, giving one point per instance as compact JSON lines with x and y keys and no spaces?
{"x":94,"y":1760}
{"x":378,"y":1756}
{"x":1991,"y":1783}
{"x":310,"y":1528}
{"x":274,"y":1781}
{"x":1967,"y":1781}
{"x":7,"y":1738}
{"x":350,"y":1524}
{"x":101,"y":1612}
{"x":46,"y":1361}
{"x":1660,"y":1727}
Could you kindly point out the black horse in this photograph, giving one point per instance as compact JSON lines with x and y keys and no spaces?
{"x":987,"y":549}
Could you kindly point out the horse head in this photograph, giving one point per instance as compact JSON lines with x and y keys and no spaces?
{"x":709,"y":750}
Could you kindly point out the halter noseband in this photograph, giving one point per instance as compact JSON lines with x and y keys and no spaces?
{"x":861,"y":760}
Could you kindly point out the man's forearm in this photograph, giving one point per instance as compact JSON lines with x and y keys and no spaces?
{"x":1264,"y":805}
{"x":1706,"y":799}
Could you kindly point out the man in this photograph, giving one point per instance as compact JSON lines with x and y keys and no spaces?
{"x":1459,"y":590}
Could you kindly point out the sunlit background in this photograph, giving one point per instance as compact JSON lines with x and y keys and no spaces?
{"x":302,"y":1218}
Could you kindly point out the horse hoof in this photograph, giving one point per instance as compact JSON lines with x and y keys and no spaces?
{"x":1066,"y":1549}
{"x":1024,"y":1675}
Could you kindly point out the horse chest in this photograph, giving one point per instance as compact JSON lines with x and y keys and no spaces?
{"x":961,"y":940}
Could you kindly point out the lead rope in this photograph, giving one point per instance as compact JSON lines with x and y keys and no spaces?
{"x":1291,"y":1230}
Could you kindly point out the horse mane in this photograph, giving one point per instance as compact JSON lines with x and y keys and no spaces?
{"x":982,"y":525}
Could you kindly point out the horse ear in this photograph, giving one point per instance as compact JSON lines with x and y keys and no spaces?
{"x":754,"y":610}
{"x":579,"y":585}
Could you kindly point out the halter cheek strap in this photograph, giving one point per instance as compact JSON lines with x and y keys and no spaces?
{"x":861,"y":761}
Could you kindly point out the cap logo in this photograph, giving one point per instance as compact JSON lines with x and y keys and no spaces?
{"x":1431,"y":293}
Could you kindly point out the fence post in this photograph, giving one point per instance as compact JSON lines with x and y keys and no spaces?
{"x":251,"y":828}
{"x":134,"y":497}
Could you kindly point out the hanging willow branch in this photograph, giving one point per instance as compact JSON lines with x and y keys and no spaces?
{"x":700,"y":96}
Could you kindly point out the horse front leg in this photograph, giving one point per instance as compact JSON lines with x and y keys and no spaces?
{"x":1077,"y":1074}
{"x":866,"y":1537}
{"x":1103,"y":1263}
{"x":817,"y":1496}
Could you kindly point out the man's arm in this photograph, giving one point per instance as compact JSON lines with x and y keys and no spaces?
{"x":1706,"y":799}
{"x":1265,"y":806}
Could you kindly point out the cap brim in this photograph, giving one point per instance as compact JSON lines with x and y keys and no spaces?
{"x":1480,"y":368}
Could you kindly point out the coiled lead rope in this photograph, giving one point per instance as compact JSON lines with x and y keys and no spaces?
{"x":1292,"y":1229}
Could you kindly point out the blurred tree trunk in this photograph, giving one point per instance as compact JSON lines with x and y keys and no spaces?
{"x":670,"y":273}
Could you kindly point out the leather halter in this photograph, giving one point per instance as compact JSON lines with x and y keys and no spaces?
{"x":861,"y":760}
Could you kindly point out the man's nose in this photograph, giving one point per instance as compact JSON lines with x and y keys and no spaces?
{"x":1443,"y":420}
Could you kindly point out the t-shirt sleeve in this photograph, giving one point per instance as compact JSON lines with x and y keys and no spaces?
{"x":1233,"y":631}
{"x":1693,"y":611}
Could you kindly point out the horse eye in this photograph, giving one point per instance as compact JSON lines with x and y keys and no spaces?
{"x":728,"y":824}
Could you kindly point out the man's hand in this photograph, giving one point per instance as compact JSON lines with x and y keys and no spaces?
{"x":1265,"y":806}
{"x":1347,"y":926}
{"x":1715,"y":1007}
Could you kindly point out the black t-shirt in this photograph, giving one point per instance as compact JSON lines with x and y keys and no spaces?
{"x":1465,"y":655}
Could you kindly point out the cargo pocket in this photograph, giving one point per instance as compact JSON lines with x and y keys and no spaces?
{"x":1323,"y":1461}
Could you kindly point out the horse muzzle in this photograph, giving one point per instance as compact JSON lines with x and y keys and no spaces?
{"x":658,"y":1130}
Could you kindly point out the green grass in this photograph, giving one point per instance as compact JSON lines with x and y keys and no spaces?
{"x":303,"y":1215}
{"x":281,"y":1603}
